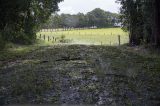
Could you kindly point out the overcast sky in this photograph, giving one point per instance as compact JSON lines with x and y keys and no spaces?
{"x":84,"y":6}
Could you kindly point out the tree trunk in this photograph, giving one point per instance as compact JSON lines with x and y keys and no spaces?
{"x":156,"y":25}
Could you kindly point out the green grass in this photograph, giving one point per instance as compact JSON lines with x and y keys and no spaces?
{"x":14,"y":51}
{"x":106,"y":36}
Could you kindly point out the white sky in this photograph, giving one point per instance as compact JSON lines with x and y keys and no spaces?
{"x":84,"y":6}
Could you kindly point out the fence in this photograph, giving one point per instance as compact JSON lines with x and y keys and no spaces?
{"x":66,"y":29}
{"x":53,"y":39}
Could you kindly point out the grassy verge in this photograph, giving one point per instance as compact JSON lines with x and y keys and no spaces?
{"x":13,"y":51}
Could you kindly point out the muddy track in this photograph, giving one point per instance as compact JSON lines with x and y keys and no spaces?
{"x":77,"y":75}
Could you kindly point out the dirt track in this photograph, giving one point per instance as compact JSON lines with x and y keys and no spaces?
{"x":81,"y":75}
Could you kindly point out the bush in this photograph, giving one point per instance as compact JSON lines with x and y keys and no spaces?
{"x":22,"y":38}
{"x":64,"y":40}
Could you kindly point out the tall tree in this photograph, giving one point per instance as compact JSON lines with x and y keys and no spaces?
{"x":20,"y":19}
{"x":156,"y":23}
{"x":132,"y":20}
{"x":142,"y":19}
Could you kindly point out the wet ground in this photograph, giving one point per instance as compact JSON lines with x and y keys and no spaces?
{"x":92,"y":75}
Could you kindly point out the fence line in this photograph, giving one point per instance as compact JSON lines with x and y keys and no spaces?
{"x":55,"y":39}
{"x":65,"y":29}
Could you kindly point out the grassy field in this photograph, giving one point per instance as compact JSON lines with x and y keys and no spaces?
{"x":106,"y":36}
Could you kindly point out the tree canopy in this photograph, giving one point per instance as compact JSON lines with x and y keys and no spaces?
{"x":20,"y":19}
{"x":142,"y":19}
{"x":96,"y":17}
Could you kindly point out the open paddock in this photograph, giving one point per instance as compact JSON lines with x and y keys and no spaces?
{"x":105,"y":36}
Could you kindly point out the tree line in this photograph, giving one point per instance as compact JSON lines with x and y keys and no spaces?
{"x":142,"y":19}
{"x":21,"y":19}
{"x":96,"y":17}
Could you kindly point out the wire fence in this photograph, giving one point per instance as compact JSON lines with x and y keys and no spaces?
{"x":61,"y":38}
{"x":66,"y":29}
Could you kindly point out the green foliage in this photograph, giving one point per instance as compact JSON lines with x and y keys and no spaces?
{"x":20,"y":19}
{"x":101,"y":18}
{"x":132,"y":19}
{"x":141,"y":18}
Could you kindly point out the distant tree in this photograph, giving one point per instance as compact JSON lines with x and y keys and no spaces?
{"x":82,"y":20}
{"x":54,"y":21}
{"x":69,"y":20}
{"x":97,"y":17}
{"x":101,"y":18}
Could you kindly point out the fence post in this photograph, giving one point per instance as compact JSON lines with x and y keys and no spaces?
{"x":44,"y":37}
{"x":40,"y":36}
{"x":48,"y":39}
{"x":53,"y":38}
{"x":119,"y":39}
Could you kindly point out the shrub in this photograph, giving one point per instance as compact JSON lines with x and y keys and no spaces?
{"x":22,"y":38}
{"x":64,"y":40}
